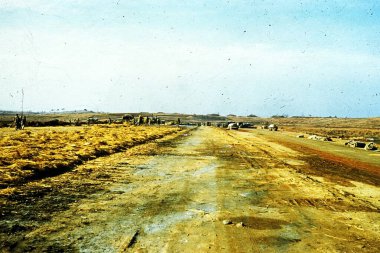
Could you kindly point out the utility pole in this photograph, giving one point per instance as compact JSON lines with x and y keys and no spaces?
{"x":22,"y":102}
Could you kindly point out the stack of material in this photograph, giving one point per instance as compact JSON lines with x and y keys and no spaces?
{"x":370,"y":146}
{"x":313,"y":137}
{"x":319,"y":138}
{"x":355,"y":144}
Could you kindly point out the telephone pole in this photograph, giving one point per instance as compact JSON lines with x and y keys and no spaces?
{"x":22,"y":102}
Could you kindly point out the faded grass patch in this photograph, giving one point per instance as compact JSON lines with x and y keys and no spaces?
{"x":50,"y":151}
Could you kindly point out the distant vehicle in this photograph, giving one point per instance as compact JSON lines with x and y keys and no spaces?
{"x":128,"y":117}
{"x":272,"y":127}
{"x":92,"y":120}
{"x":233,"y":126}
{"x":246,"y":125}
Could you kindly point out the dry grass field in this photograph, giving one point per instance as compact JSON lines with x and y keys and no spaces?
{"x":345,"y":128}
{"x":39,"y":152}
{"x":344,"y":133}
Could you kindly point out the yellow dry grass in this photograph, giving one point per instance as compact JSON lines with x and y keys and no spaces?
{"x":47,"y":151}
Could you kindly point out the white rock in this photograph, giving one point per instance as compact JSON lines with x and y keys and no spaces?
{"x":240,"y":224}
{"x":227,"y":222}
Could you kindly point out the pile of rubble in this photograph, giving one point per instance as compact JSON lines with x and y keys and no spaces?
{"x":359,"y":144}
{"x":319,"y":138}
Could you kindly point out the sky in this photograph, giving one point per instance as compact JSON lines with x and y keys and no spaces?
{"x":284,"y":57}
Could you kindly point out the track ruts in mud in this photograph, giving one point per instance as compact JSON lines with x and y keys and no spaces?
{"x":174,"y":198}
{"x":334,"y":168}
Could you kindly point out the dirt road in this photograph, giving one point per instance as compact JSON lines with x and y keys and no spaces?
{"x":211,"y":191}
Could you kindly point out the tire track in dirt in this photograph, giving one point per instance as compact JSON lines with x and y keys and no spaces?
{"x":334,"y":165}
{"x":175,"y":197}
{"x":300,"y":169}
{"x":157,"y":194}
{"x":280,"y":234}
{"x":336,"y":201}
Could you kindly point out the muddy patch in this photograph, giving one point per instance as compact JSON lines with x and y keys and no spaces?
{"x":259,"y":223}
{"x":334,"y":168}
{"x":337,"y":172}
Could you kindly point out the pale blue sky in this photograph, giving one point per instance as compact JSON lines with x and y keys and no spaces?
{"x":263,"y":57}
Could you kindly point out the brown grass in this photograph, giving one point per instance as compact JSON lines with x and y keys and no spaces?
{"x":39,"y":152}
{"x":345,"y":133}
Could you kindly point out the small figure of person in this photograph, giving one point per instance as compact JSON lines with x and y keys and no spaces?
{"x":23,"y":122}
{"x":140,"y":120}
{"x":17,"y":122}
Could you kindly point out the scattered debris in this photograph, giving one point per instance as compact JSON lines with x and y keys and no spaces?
{"x":240,"y":224}
{"x":359,"y":144}
{"x":313,"y":137}
{"x":355,"y":144}
{"x":319,"y":138}
{"x":227,"y":222}
{"x":300,"y":136}
{"x":370,"y":146}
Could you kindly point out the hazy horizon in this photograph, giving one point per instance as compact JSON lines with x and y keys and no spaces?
{"x":228,"y":57}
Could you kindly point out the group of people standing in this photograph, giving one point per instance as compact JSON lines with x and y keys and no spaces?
{"x":20,"y":122}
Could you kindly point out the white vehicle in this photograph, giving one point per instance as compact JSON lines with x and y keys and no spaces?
{"x":272,"y":127}
{"x":232,"y":126}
